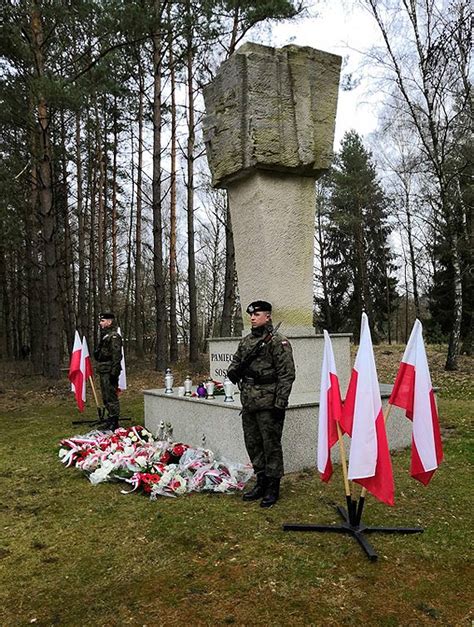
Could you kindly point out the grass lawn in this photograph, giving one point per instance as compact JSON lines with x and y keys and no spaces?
{"x":75,"y":554}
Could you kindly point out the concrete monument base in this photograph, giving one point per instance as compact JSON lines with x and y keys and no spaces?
{"x":217,"y":425}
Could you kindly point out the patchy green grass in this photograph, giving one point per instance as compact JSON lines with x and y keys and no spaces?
{"x":74,"y":554}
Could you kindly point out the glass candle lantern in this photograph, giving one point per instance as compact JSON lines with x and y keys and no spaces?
{"x":210,"y":388}
{"x":169,"y":381}
{"x":228,"y":391}
{"x":188,"y":386}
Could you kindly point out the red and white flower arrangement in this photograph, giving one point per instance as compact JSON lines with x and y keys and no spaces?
{"x":156,"y":467}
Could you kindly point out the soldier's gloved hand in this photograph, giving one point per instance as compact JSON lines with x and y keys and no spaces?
{"x":278,"y":413}
{"x":232,"y":375}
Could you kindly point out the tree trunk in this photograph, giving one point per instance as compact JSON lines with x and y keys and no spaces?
{"x":47,"y":218}
{"x":33,"y":279}
{"x":361,"y":295}
{"x":67,"y":262}
{"x":93,"y":306}
{"x":173,"y":278}
{"x":138,"y":320}
{"x":229,"y":281}
{"x":81,"y":286}
{"x":128,"y":282}
{"x":193,"y":317}
{"x":114,"y":217}
{"x":158,"y":270}
{"x":5,"y":350}
{"x":411,"y":248}
{"x":453,"y":346}
{"x":100,"y":186}
{"x":324,"y":281}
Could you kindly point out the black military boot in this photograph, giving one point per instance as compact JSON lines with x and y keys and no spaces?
{"x":271,"y":493}
{"x":259,"y":488}
{"x":112,"y":423}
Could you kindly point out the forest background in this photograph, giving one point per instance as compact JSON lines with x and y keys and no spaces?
{"x":105,"y":195}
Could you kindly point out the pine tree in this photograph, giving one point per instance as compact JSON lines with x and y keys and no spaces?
{"x":358,"y":264}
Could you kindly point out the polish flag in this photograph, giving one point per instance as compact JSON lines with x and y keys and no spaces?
{"x":75,"y":374}
{"x":122,"y":382}
{"x":330,"y":410}
{"x":413,"y":392}
{"x":86,"y":372}
{"x":363,"y":420}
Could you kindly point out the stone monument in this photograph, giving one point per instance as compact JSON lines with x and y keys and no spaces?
{"x":269,"y":132}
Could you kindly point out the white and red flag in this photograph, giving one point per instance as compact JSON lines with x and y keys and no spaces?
{"x":413,"y":392}
{"x":330,"y":409}
{"x":86,"y":372}
{"x":122,"y":382}
{"x":86,"y":362}
{"x":74,"y":374}
{"x":363,"y":420}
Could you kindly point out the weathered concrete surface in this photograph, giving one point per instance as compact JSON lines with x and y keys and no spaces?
{"x":271,"y":108}
{"x":272,"y":221}
{"x":269,"y":130}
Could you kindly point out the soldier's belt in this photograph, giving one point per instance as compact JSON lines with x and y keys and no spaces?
{"x":259,"y":380}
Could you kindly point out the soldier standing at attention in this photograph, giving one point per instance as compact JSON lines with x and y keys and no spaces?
{"x":265,"y":377}
{"x":108,"y":355}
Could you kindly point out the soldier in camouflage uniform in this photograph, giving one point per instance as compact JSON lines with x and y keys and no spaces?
{"x":265,"y":385}
{"x":108,"y":355}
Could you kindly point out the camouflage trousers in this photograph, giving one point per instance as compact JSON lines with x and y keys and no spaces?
{"x":109,"y":395}
{"x":262,"y":435}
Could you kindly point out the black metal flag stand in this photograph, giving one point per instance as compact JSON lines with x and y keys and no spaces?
{"x":101,"y":417}
{"x":353,"y":515}
{"x":352,"y":525}
{"x":100,"y":422}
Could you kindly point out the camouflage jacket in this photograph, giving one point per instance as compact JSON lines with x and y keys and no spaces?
{"x":268,"y":380}
{"x":108,"y":354}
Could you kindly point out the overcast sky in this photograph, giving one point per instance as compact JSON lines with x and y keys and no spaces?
{"x":344,"y":28}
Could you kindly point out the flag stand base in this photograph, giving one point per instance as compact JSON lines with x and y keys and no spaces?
{"x":352,"y":524}
{"x":99,"y":421}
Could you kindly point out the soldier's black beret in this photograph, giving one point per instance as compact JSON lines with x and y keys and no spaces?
{"x":259,"y":305}
{"x":107,"y":315}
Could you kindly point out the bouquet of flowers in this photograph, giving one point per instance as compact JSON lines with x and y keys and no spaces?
{"x":156,"y":467}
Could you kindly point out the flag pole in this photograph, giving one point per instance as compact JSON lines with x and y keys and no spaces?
{"x":91,"y":381}
{"x":351,"y":518}
{"x":363,"y":492}
{"x":347,"y":488}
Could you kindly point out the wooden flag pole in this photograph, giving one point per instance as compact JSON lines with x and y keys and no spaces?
{"x":100,"y":410}
{"x":342,"y":451}
{"x":91,"y":381}
{"x":360,"y":505}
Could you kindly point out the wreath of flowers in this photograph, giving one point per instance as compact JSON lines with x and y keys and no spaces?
{"x":155,"y":467}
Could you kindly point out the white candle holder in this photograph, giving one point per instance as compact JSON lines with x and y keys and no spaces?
{"x":210,"y":389}
{"x":228,"y":391}
{"x":188,"y":386}
{"x":169,"y":379}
